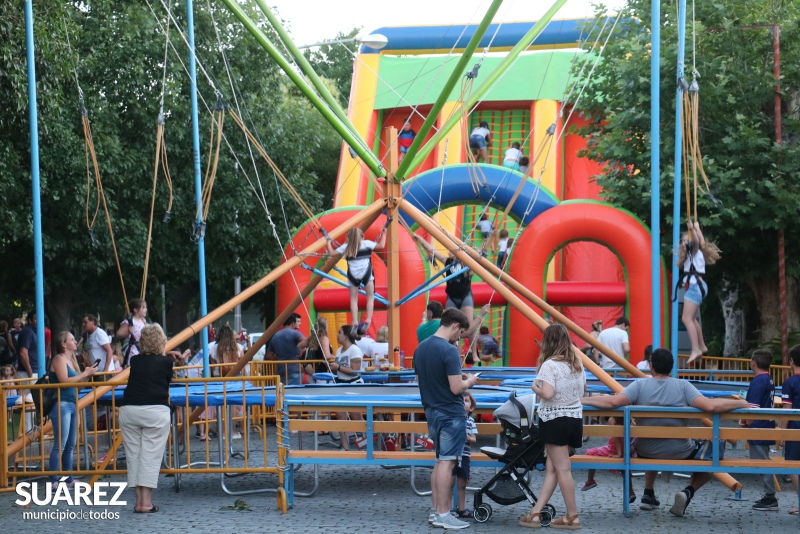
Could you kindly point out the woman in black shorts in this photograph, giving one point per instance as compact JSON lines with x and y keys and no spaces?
{"x":559,"y":383}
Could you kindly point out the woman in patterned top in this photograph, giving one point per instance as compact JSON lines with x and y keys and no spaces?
{"x":559,"y":383}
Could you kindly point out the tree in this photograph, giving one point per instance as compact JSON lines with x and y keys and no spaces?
{"x":116,"y":52}
{"x":754,"y":178}
{"x":335,"y":62}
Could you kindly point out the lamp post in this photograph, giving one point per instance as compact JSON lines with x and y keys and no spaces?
{"x":374,"y":40}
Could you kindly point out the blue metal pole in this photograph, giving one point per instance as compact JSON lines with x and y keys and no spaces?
{"x":676,"y":199}
{"x":655,"y":171}
{"x":427,"y":288}
{"x":38,"y":263}
{"x":325,"y":275}
{"x":198,"y":186}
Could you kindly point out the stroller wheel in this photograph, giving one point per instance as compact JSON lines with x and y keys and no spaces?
{"x":548,"y":513}
{"x":483,"y":512}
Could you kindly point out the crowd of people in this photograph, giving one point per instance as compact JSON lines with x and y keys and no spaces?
{"x":560,"y":383}
{"x":560,"y":387}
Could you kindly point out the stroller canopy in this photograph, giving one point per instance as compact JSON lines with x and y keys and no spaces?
{"x":516,"y":410}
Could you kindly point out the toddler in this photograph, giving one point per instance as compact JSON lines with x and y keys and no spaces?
{"x":461,"y":470}
{"x":614,"y":449}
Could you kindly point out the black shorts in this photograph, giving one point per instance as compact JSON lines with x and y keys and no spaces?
{"x":791,"y":450}
{"x":461,"y":469}
{"x":562,"y":431}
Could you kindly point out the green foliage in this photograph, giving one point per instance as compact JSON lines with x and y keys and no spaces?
{"x":335,"y":62}
{"x":116,"y":52}
{"x":238,"y":506}
{"x":774,"y":345}
{"x":756,"y":179}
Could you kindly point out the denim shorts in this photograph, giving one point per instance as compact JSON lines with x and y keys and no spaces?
{"x":694,"y":295}
{"x":449,"y":434}
{"x":477,"y":142}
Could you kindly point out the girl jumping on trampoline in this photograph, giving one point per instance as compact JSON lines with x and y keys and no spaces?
{"x":358,"y":253}
{"x":694,"y":254}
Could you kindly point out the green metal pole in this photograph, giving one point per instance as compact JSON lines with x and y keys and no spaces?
{"x":405,"y":166}
{"x":488,"y":82}
{"x":304,"y":65}
{"x":350,"y":137}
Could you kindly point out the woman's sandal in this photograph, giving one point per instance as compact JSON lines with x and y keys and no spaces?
{"x":152,"y":510}
{"x":527,"y":520}
{"x":567,"y":522}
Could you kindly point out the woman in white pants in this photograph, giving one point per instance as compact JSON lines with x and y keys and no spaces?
{"x":145,"y":417}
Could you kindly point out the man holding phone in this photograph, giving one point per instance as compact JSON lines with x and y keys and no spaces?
{"x":437,"y":365}
{"x":97,"y":350}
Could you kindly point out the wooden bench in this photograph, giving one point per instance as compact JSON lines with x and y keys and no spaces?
{"x":626,"y":464}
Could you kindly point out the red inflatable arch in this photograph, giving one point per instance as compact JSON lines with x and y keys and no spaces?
{"x":412,"y":275}
{"x":580,"y":220}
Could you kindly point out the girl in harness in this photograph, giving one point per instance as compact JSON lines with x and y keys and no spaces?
{"x":458,"y":288}
{"x":694,"y":254}
{"x":358,"y":253}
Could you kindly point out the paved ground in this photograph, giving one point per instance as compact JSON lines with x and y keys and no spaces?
{"x":356,"y":500}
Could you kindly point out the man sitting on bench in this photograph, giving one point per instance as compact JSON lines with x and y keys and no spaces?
{"x":663,"y":390}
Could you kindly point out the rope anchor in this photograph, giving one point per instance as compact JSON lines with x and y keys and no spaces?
{"x":198,"y":231}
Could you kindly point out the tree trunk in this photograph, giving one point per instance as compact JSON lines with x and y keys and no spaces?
{"x":178,"y":306}
{"x":59,"y":304}
{"x":765,"y":291}
{"x":734,"y":321}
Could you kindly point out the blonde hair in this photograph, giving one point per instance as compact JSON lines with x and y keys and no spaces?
{"x":153,"y":340}
{"x":383,"y":334}
{"x":4,"y":368}
{"x":711,"y":252}
{"x":61,"y":347}
{"x":354,"y":237}
{"x":320,"y":331}
{"x":556,"y":344}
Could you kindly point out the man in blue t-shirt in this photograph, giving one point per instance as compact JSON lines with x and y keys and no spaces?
{"x":790,"y":395}
{"x":761,"y":394}
{"x":437,"y":365}
{"x":27,"y":349}
{"x":286,"y":345}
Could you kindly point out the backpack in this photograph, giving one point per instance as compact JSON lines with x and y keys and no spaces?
{"x":6,"y":356}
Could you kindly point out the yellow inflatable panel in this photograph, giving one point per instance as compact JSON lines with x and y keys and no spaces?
{"x":365,"y":83}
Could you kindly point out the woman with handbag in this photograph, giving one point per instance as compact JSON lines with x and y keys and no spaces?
{"x":64,"y":369}
{"x":145,"y":415}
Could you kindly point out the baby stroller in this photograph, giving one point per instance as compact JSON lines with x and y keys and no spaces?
{"x":523,"y":453}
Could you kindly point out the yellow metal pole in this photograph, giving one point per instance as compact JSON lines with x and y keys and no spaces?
{"x":393,"y":194}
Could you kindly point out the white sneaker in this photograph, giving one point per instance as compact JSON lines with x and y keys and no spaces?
{"x":236,"y":435}
{"x":448,"y":522}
